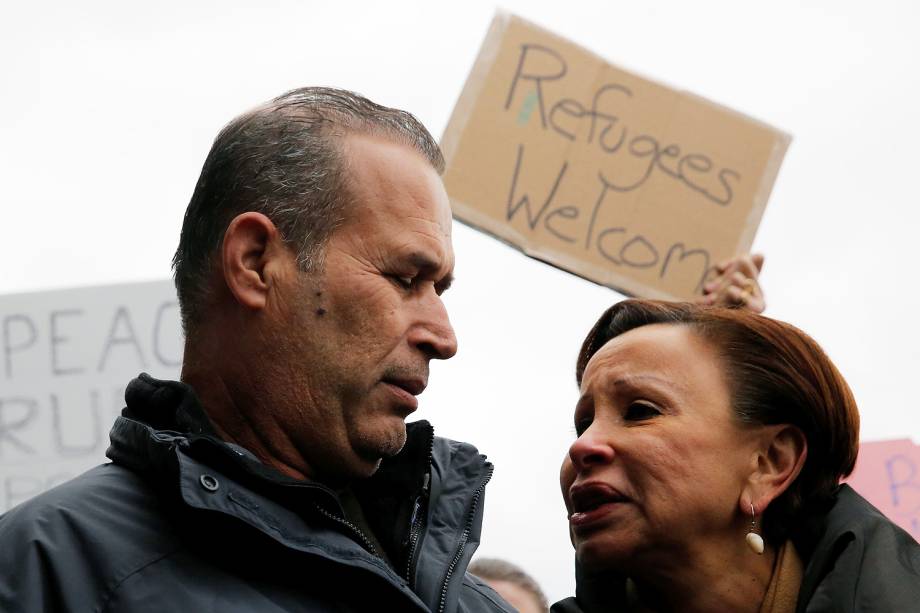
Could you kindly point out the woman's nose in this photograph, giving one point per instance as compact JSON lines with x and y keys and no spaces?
{"x":590,"y":450}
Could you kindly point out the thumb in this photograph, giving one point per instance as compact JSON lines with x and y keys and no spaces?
{"x":757,"y":259}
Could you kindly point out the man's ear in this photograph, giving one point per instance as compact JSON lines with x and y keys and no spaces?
{"x":777,"y":464}
{"x":251,"y":243}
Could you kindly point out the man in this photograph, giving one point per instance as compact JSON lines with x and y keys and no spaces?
{"x":514,"y":585}
{"x":279,"y":474}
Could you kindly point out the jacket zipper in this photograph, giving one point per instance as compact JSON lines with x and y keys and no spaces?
{"x":477,"y":496}
{"x":353,"y":528}
{"x":419,"y":513}
{"x":415,"y":532}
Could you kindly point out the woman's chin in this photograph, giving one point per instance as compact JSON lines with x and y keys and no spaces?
{"x":598,"y":554}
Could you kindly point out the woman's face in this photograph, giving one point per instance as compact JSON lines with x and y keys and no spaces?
{"x":659,"y":464}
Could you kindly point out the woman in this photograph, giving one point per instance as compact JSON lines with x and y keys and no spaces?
{"x":710,"y":444}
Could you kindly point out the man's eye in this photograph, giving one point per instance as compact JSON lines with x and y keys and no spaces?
{"x":640,"y":411}
{"x":403,"y":281}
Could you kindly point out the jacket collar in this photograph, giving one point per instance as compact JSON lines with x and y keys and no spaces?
{"x":161,"y":416}
{"x":824,"y":537}
{"x":433,"y":487}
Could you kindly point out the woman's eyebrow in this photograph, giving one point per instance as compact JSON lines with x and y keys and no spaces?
{"x":633,"y":381}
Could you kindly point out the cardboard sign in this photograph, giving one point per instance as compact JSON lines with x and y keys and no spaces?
{"x":65,"y":359}
{"x":887,"y":474}
{"x":611,"y":176}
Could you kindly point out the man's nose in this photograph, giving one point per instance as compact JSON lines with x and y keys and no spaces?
{"x":434,"y":335}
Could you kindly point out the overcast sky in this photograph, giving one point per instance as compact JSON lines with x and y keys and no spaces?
{"x":108,"y":109}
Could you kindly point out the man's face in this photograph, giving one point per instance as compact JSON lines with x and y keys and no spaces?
{"x":355,"y":338}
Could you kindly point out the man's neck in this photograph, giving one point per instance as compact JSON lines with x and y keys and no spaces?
{"x":231,"y":409}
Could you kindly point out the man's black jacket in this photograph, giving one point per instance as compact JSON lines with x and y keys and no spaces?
{"x":180,"y":521}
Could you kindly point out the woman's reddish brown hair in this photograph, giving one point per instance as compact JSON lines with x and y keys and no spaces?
{"x":776,"y":374}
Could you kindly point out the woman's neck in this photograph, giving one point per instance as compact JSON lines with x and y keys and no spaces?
{"x":730,"y":578}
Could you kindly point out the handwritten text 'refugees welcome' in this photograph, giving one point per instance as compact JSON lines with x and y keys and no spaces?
{"x":627,"y":160}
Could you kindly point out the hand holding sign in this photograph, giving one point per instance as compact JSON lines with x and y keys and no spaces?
{"x":737,"y":284}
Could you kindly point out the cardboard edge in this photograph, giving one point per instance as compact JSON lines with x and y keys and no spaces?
{"x":728,"y":110}
{"x":654,"y":80}
{"x":472,"y":87}
{"x":568,"y":41}
{"x":762,"y":195}
{"x":41,"y":292}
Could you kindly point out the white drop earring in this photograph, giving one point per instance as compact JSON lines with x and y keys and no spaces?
{"x":754,"y":540}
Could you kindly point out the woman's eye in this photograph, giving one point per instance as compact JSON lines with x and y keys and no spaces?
{"x":639,"y":411}
{"x":581,"y":425}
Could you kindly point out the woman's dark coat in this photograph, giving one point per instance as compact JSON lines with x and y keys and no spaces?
{"x":856,"y":561}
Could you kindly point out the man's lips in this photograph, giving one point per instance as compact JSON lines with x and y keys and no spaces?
{"x":406,"y":389}
{"x":413,"y":385}
{"x":592,"y":502}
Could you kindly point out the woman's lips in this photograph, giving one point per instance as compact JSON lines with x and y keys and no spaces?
{"x":585,"y":520}
{"x":592,"y":503}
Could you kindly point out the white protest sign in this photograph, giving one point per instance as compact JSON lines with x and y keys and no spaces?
{"x":65,"y":359}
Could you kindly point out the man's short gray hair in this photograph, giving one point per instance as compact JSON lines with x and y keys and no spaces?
{"x":283,"y":159}
{"x":502,"y":570}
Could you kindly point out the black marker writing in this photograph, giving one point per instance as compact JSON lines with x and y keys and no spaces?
{"x":542,"y":67}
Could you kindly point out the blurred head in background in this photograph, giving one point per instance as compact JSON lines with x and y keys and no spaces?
{"x":512,"y":583}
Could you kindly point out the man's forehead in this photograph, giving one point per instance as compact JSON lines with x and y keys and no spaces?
{"x":379,"y":154}
{"x":375,"y":165}
{"x":399,"y":208}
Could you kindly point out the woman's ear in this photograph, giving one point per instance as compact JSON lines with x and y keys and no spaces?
{"x":249,"y":246}
{"x":777,"y":463}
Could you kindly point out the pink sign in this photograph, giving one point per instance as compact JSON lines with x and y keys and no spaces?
{"x":887,"y":474}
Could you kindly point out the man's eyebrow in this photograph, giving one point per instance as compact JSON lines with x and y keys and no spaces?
{"x":425,"y":263}
{"x":422,"y":261}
